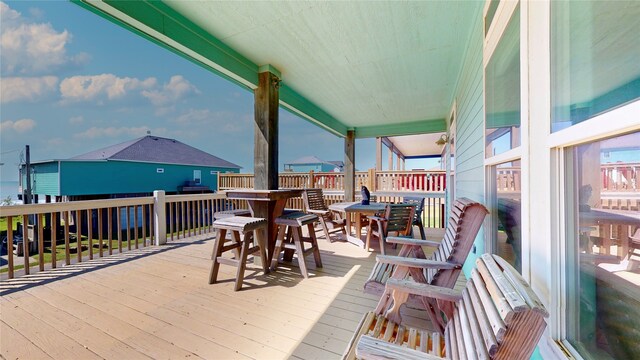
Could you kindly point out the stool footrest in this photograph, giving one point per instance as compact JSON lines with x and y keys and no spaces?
{"x":227,"y":261}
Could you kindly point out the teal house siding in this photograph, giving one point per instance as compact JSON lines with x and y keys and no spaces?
{"x":44,"y":179}
{"x":469,"y":171}
{"x":123,"y":177}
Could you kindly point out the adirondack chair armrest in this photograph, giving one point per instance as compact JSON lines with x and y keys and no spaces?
{"x":415,"y":263}
{"x":319,"y":212}
{"x":371,"y":348}
{"x":411,"y":241}
{"x":421,"y":289}
{"x":376,"y":218}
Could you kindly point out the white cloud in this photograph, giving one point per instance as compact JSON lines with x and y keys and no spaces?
{"x":177,"y":88}
{"x":32,"y":48}
{"x":20,"y":126}
{"x":26,"y":88}
{"x":100,"y":132}
{"x":76,"y":119}
{"x":97,"y":87}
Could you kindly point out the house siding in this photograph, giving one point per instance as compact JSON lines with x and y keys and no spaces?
{"x":44,"y":179}
{"x":469,"y":169}
{"x":123,"y":177}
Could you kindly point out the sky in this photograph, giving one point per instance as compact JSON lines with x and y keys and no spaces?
{"x":72,"y":82}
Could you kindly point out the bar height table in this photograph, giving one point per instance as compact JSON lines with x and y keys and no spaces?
{"x":267,"y":204}
{"x":356,"y":209}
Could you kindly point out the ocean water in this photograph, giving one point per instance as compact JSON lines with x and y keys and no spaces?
{"x":8,"y":188}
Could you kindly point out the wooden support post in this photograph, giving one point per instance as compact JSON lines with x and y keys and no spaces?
{"x":312,"y":180}
{"x":391,"y":158}
{"x":379,"y":153}
{"x":265,"y":162}
{"x":371,"y":183}
{"x":349,"y":166}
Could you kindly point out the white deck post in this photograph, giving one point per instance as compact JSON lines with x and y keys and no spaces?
{"x":159,"y":217}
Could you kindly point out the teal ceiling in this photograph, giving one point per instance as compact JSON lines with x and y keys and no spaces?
{"x":379,"y":68}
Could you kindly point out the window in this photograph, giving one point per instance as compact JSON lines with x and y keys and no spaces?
{"x":505,"y":207}
{"x":603,"y":247}
{"x":197,"y":176}
{"x":491,"y":12}
{"x":502,"y":92}
{"x":595,"y":51}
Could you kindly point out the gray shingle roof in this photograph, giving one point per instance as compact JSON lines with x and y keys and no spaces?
{"x":158,"y":150}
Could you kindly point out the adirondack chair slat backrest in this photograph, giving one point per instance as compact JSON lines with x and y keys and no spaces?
{"x":462,"y":227}
{"x":498,"y":317}
{"x":418,"y":202}
{"x":314,"y":200}
{"x":474,"y":329}
{"x":399,"y":218}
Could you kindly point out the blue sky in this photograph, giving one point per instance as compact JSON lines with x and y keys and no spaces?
{"x":73,"y":82}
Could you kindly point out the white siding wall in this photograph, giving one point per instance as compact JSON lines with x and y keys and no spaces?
{"x":470,"y":129}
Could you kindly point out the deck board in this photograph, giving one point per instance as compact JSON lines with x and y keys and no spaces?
{"x":156,"y":303}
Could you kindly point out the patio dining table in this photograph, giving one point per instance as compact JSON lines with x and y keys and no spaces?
{"x":355,"y":211}
{"x":267,"y":204}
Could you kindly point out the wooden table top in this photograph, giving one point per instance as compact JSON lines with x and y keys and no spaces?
{"x":357,"y":207}
{"x":264,"y":195}
{"x":608,"y":216}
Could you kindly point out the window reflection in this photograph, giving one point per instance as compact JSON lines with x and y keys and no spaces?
{"x":604,"y":251}
{"x":594,"y":58}
{"x":502,"y":92}
{"x":507,"y":215}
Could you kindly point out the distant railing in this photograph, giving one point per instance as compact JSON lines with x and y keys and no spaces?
{"x":620,"y":177}
{"x":388,"y":186}
{"x":424,"y":181}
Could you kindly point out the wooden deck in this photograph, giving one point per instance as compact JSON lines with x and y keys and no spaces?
{"x":156,"y":303}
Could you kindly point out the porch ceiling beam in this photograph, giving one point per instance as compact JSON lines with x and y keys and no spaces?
{"x":159,"y":23}
{"x":389,"y":144}
{"x":408,"y":128}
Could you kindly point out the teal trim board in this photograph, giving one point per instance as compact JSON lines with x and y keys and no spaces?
{"x":408,"y":128}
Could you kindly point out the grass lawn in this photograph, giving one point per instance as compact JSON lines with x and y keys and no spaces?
{"x":4,"y":223}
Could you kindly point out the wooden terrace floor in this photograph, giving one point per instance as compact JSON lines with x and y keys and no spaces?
{"x":156,"y":303}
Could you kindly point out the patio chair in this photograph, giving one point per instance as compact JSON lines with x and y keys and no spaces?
{"x":497,"y":315}
{"x":314,"y":204}
{"x":442,"y":268}
{"x":397,"y":219}
{"x":418,"y":202}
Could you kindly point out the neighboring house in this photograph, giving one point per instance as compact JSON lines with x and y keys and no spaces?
{"x":136,"y":167}
{"x":308,"y":163}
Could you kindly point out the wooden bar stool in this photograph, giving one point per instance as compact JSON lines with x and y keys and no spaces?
{"x":291,"y":224}
{"x":237,"y":225}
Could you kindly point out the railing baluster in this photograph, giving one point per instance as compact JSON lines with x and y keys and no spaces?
{"x":79,"y":235}
{"x":171,"y":219}
{"x":90,"y":232}
{"x":54,"y":239}
{"x":40,"y":224}
{"x":183,"y":217}
{"x":25,"y":243}
{"x":67,"y":246}
{"x":110,"y":229}
{"x":119,"y":228}
{"x":128,"y":214}
{"x":144,"y":225}
{"x":135,"y":224}
{"x":100,"y":242}
{"x":10,"y":243}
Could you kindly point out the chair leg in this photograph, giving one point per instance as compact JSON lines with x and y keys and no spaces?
{"x":217,"y":251}
{"x":297,"y":239}
{"x":235,"y":235}
{"x":278,"y":247}
{"x":243,"y":260}
{"x":422,"y":234}
{"x":314,"y":243}
{"x":367,"y":244}
{"x":325,"y":229}
{"x":288,"y":253}
{"x":261,"y":239}
{"x":381,"y":239}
